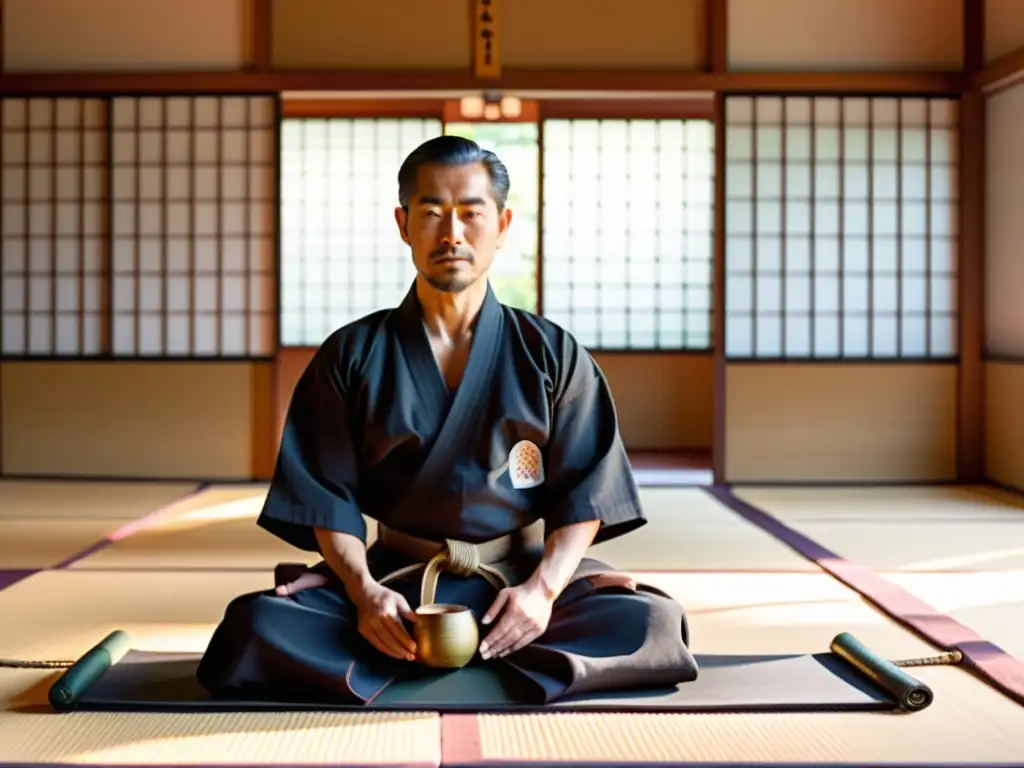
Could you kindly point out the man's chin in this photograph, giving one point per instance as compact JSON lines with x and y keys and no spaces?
{"x":450,"y":283}
{"x":449,"y":286}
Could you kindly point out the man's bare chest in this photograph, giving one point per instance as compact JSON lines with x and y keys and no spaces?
{"x":451,"y":359}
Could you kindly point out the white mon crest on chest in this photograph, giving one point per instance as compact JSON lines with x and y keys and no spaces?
{"x":525,"y":465}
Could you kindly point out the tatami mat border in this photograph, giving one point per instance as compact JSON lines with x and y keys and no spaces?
{"x":461,"y":743}
{"x":11,"y":577}
{"x":424,"y":764}
{"x":990,"y":662}
{"x":129,"y":528}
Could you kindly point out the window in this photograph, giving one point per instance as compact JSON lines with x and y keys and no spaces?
{"x":139,"y":227}
{"x":841,"y":226}
{"x":514,"y":272}
{"x":341,"y":256}
{"x":193,"y":220}
{"x":628,"y":231}
{"x":627,"y":225}
{"x":53,"y":227}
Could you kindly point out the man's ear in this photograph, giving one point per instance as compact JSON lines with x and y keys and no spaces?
{"x":504,"y":222}
{"x":402,"y":220}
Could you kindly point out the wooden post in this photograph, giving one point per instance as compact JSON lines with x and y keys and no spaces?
{"x":971,"y":373}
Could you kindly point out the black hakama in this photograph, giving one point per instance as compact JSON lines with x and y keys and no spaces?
{"x":373,"y":430}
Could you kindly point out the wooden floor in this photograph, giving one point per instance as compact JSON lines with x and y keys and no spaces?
{"x":161,"y":561}
{"x":672,"y":468}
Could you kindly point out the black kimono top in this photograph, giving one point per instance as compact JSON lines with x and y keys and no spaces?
{"x":372,"y":429}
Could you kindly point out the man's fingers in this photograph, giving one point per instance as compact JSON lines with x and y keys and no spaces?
{"x":608,"y":580}
{"x":501,"y":648}
{"x":524,"y":639}
{"x":385,"y":642}
{"x":496,"y":606}
{"x":308,"y":580}
{"x":404,"y":610}
{"x":396,"y":630}
{"x":496,"y":637}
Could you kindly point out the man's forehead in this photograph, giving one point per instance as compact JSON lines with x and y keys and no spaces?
{"x":436,"y":179}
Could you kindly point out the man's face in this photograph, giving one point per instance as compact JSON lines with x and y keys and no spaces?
{"x":453,"y":225}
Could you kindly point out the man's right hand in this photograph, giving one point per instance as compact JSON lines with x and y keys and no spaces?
{"x":380,"y":612}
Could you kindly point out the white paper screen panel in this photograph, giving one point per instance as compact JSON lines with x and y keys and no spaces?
{"x":341,"y":254}
{"x":841,"y":228}
{"x":193,"y":196}
{"x":1004,"y":224}
{"x":54,"y":227}
{"x":628,"y":243}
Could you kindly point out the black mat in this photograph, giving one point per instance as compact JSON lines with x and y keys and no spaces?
{"x":143,"y":681}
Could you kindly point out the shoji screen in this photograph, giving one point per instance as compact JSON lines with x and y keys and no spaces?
{"x":193,"y":199}
{"x":628,"y":223}
{"x":341,"y":255}
{"x":841,"y":228}
{"x":53,"y":229}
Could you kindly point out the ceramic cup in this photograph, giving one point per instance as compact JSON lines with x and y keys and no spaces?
{"x":446,"y":635}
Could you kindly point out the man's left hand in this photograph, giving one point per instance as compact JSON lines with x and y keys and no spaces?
{"x":525,"y":612}
{"x":308,"y":579}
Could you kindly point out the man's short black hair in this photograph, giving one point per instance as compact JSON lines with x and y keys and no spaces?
{"x":452,"y":150}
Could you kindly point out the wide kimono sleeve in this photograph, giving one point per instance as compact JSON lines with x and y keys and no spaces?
{"x":316,"y":475}
{"x":587,"y":471}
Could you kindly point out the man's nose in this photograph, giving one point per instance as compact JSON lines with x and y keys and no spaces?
{"x":452,"y":231}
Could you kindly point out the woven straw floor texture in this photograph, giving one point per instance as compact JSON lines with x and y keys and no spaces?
{"x":166,"y":581}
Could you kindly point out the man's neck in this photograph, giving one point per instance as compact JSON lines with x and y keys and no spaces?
{"x":450,"y":316}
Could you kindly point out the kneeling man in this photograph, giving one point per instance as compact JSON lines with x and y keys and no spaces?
{"x":451,"y":420}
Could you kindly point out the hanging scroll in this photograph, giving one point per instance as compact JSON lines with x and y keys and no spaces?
{"x":486,"y":51}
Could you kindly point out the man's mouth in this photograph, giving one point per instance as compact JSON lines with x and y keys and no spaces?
{"x":450,"y":258}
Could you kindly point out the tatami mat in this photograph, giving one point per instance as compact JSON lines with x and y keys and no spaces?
{"x":937,"y":528}
{"x":29,"y":734}
{"x":738,"y":613}
{"x":97,"y":500}
{"x":689,"y":530}
{"x":60,"y":614}
{"x":30,"y":544}
{"x":215,"y":529}
{"x":961,"y":727}
{"x":989,"y":602}
{"x":372,"y":739}
{"x":86,"y":499}
{"x":748,"y":613}
{"x":45,"y":526}
{"x":790,"y":606}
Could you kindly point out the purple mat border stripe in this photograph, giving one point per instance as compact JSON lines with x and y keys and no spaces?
{"x":483,"y":763}
{"x":128,"y":528}
{"x":991,"y":663}
{"x":412,"y":764}
{"x":460,"y":734}
{"x":10,"y":577}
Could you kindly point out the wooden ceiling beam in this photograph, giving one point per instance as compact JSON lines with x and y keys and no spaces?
{"x":1001,"y":73}
{"x":567,"y":80}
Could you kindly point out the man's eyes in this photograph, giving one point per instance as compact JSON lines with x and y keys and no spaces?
{"x":433,"y":214}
